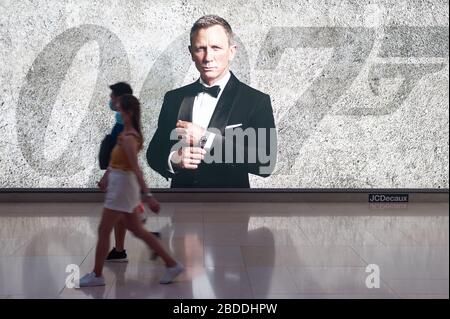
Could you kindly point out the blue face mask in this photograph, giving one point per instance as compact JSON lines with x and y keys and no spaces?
{"x":111,"y":105}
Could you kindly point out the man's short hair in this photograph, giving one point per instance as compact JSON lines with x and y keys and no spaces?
{"x":121,"y":88}
{"x":209,"y":21}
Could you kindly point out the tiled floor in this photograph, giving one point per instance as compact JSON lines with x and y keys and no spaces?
{"x":235,"y":250}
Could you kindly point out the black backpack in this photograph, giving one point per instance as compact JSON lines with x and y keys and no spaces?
{"x":106,"y":148}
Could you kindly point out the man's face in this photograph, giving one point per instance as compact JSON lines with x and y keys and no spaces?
{"x":114,"y":100}
{"x":212,"y":53}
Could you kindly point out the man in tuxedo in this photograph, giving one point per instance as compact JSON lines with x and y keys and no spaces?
{"x":217,"y":130}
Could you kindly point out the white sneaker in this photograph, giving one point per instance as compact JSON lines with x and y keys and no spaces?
{"x":171,"y":273}
{"x":90,"y":280}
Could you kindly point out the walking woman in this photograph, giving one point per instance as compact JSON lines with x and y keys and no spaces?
{"x":124,"y":183}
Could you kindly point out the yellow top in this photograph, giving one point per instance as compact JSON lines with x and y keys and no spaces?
{"x":119,"y":159}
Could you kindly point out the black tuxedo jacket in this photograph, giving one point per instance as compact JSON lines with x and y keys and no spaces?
{"x":238,"y":104}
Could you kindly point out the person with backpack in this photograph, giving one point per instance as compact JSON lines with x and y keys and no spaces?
{"x":118,"y":252}
{"x":125,"y":185}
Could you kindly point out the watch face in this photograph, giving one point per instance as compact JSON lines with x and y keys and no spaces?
{"x":203,"y":140}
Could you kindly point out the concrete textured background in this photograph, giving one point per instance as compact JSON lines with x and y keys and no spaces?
{"x":359,"y":88}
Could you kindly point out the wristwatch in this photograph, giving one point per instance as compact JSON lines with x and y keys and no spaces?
{"x":203,"y":141}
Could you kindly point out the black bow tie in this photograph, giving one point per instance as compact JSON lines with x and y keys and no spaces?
{"x":213,"y":90}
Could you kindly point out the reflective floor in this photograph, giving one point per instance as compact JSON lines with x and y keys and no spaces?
{"x":235,"y":250}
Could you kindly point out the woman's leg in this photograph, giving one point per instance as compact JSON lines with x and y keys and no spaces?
{"x":109,"y":219}
{"x":134,"y":225}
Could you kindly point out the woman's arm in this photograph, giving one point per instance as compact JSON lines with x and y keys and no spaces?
{"x":130,"y":146}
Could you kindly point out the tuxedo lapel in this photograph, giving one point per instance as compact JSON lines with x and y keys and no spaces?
{"x":185,"y":111}
{"x":223,"y":108}
{"x":187,"y":103}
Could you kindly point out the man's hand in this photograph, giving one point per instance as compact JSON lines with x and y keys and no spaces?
{"x":189,"y":132}
{"x":188,"y":157}
{"x":103,"y":183}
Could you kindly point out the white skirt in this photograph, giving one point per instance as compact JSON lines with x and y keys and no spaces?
{"x":123,"y":192}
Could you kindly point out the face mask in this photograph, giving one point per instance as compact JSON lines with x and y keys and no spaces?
{"x":111,"y":105}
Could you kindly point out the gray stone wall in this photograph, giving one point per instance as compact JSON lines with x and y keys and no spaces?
{"x":359,"y":88}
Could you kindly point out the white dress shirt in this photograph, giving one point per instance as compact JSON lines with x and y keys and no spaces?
{"x":205,"y":104}
{"x":203,"y":109}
